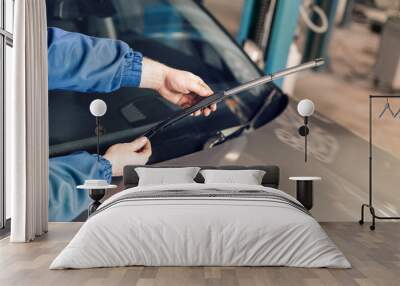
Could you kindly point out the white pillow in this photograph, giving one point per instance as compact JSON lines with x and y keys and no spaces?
{"x":248,"y":177}
{"x":164,"y":176}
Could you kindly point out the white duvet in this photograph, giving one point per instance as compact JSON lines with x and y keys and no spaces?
{"x":199,"y":231}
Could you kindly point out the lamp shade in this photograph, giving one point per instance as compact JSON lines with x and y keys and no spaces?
{"x":305,"y":107}
{"x":98,"y":107}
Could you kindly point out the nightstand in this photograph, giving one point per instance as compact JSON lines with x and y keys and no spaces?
{"x":304,"y":190}
{"x":97,"y":190}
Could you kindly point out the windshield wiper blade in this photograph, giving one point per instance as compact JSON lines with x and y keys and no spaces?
{"x":219,"y":96}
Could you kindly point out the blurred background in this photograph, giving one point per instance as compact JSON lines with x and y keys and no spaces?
{"x":360,"y":42}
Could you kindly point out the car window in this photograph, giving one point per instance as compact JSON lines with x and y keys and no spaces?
{"x":180,"y":25}
{"x":177,"y":33}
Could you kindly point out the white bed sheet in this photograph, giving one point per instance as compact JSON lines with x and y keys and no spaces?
{"x":189,"y":232}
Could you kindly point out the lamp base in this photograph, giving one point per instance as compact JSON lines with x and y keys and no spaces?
{"x":303,"y":130}
{"x":99,"y":130}
{"x":96,"y":195}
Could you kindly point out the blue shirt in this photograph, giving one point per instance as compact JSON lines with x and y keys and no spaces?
{"x":81,"y":63}
{"x":66,"y":202}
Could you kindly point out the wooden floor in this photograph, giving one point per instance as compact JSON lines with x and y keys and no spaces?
{"x":375,"y":257}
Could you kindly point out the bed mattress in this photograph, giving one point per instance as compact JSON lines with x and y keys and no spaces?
{"x":201,"y":225}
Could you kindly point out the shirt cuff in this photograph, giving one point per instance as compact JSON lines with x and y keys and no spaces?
{"x":105,"y":168}
{"x":132,"y":70}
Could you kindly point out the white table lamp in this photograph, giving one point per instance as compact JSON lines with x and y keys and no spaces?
{"x":98,"y":108}
{"x":305,"y":108}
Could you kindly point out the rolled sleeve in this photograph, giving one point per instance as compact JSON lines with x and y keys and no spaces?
{"x":132,"y":70}
{"x":105,"y":169}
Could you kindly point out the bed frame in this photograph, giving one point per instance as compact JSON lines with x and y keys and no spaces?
{"x":270,"y":179}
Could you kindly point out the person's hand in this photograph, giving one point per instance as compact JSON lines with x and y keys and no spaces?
{"x":136,"y":152}
{"x":179,"y":87}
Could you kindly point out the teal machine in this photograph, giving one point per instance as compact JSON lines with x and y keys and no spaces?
{"x":272,"y":25}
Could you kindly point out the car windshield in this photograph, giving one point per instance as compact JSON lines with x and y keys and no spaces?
{"x":177,"y":33}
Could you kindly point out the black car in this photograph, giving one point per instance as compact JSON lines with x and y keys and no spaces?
{"x":180,"y":34}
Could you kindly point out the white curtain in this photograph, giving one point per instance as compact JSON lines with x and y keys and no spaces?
{"x":27,"y":124}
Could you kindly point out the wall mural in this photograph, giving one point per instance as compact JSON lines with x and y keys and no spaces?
{"x":141,"y":58}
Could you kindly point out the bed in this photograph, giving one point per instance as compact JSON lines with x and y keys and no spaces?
{"x":199,"y":224}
